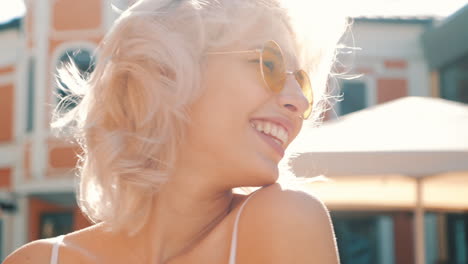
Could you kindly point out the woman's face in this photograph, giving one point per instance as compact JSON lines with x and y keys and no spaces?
{"x":240,"y":127}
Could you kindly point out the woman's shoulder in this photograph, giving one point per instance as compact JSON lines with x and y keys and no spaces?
{"x":39,"y":251}
{"x":291,"y":225}
{"x":277,"y":199}
{"x":74,"y":247}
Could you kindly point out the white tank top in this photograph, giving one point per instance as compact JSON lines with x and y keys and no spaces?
{"x":54,"y":257}
{"x":232,"y":254}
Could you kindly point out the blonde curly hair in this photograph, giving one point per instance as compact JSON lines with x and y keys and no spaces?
{"x":131,"y":115}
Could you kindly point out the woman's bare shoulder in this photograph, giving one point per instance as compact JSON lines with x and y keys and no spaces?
{"x":276,"y":199}
{"x":291,"y":226}
{"x":37,"y":252}
{"x":75,"y":247}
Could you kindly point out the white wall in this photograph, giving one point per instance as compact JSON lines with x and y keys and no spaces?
{"x":377,"y":42}
{"x":382,"y":41}
{"x":9,"y":47}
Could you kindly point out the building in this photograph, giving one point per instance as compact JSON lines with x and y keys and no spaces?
{"x":9,"y":35}
{"x":446,"y":48}
{"x":388,"y":61}
{"x":36,"y":169}
{"x":398,"y":57}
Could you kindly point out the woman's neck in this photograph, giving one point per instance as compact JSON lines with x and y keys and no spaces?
{"x":184,"y":213}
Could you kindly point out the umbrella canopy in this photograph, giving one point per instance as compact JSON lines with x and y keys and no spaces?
{"x":405,"y":124}
{"x":382,"y":148}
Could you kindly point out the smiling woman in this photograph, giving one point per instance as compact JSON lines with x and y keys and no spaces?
{"x":189,"y":100}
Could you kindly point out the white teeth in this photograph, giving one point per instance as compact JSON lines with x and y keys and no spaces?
{"x":261,"y":126}
{"x":267,"y":128}
{"x":274,"y":130}
{"x":280,"y":135}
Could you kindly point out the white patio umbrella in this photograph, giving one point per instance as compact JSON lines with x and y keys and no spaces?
{"x":408,"y":153}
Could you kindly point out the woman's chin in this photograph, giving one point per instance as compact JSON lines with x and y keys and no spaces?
{"x":268,"y":174}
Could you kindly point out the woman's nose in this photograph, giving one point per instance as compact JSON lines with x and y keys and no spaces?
{"x":292,"y":98}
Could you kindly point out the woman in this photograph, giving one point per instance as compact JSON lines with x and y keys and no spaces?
{"x":189,"y":100}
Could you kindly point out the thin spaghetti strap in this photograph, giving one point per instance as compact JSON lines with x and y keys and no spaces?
{"x":55,"y":249}
{"x":232,"y":254}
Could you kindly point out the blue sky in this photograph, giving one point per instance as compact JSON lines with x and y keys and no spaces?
{"x":14,"y":8}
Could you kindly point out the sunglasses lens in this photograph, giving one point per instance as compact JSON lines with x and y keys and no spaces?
{"x":273,"y":67}
{"x":273,"y":70}
{"x":304,"y":81}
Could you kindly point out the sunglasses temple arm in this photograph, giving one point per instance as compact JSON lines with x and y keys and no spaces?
{"x":232,"y":52}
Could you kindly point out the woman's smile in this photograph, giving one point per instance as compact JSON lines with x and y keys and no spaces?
{"x":273,"y":133}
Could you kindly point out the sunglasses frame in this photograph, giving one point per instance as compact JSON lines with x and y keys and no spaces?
{"x":260,"y":51}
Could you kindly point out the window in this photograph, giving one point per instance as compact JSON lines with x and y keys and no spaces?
{"x":454,"y":81}
{"x":55,"y":223}
{"x":431,"y":237}
{"x":457,"y":237}
{"x":354,"y":97}
{"x":84,"y":62}
{"x":364,"y":238}
{"x":30,"y":96}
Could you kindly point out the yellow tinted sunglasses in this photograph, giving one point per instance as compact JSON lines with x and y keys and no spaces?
{"x":274,"y":73}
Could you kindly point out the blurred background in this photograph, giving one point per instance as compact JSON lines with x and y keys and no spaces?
{"x":394,"y":150}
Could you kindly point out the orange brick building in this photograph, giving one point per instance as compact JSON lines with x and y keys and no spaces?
{"x":36,"y":169}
